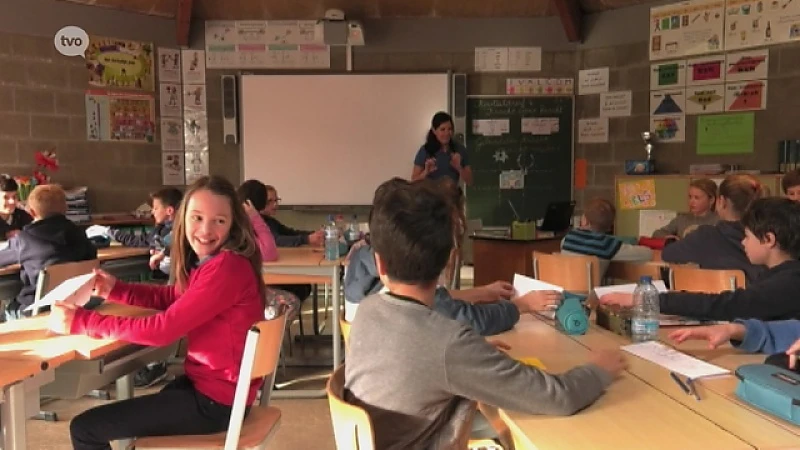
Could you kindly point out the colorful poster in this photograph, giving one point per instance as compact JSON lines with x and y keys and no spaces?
{"x":193,"y":66}
{"x":172,"y":134}
{"x":117,"y":63}
{"x":753,"y":23}
{"x":687,"y":28}
{"x":512,"y":179}
{"x":725,"y":134}
{"x":748,"y":65}
{"x":194,"y":97}
{"x":746,"y":95}
{"x":637,"y":194}
{"x":593,"y":131}
{"x":593,"y":81}
{"x":668,"y":102}
{"x":116,"y":116}
{"x":221,"y":40}
{"x":705,"y":70}
{"x":705,"y":99}
{"x":616,"y":104}
{"x":196,"y":165}
{"x":540,"y":86}
{"x":669,"y":128}
{"x":173,"y":172}
{"x":170,"y":100}
{"x":668,"y":74}
{"x":540,"y":126}
{"x":169,"y":65}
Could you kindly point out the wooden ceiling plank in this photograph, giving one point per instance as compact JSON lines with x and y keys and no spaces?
{"x":569,"y":12}
{"x":183,"y":20}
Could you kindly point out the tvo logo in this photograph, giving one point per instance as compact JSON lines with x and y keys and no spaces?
{"x":71,"y":41}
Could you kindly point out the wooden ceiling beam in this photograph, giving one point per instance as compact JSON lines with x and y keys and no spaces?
{"x":569,"y":11}
{"x":183,"y":20}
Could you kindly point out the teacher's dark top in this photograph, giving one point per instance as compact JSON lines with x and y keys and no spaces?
{"x":443,"y":167}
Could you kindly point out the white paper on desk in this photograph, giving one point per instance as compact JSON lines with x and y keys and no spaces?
{"x":523,"y":285}
{"x":600,"y":291}
{"x":674,"y":360}
{"x":74,"y":290}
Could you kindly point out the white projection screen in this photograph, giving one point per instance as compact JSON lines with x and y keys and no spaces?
{"x":332,"y":139}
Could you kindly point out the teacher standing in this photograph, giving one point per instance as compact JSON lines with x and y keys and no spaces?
{"x":441,"y":156}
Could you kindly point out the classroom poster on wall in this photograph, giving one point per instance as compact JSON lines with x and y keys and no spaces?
{"x":637,"y":194}
{"x":169,"y":65}
{"x":725,"y":134}
{"x":540,"y":86}
{"x":491,"y":127}
{"x":491,"y":59}
{"x":170,"y":100}
{"x":171,"y":134}
{"x":539,"y":126}
{"x":687,"y":28}
{"x":746,"y":95}
{"x":194,"y":97}
{"x":524,"y":59}
{"x":668,"y":102}
{"x":119,"y":63}
{"x":173,"y":172}
{"x":669,"y":128}
{"x":193,"y":66}
{"x":221,"y":40}
{"x":117,"y":116}
{"x":668,"y":74}
{"x":512,"y":179}
{"x":705,"y":70}
{"x":754,"y":23}
{"x":593,"y":81}
{"x":616,"y":104}
{"x":196,"y":165}
{"x":748,"y":65}
{"x":593,"y":131}
{"x":705,"y":99}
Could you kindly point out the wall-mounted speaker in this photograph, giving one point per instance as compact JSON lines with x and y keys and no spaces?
{"x":459,"y":106}
{"x":230,"y":110}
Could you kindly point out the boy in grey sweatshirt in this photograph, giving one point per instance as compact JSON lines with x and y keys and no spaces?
{"x":417,"y":372}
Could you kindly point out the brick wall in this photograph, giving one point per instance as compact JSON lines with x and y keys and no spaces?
{"x":42,"y":107}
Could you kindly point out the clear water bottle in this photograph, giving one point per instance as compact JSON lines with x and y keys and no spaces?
{"x":353,"y":234}
{"x":331,"y":240}
{"x":646,"y":311}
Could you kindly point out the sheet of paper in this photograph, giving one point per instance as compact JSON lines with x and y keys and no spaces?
{"x":674,"y":360}
{"x":593,"y":131}
{"x":540,"y":126}
{"x":616,"y":104}
{"x":490,"y":127}
{"x":651,"y":220}
{"x":593,"y":81}
{"x":77,"y":289}
{"x":523,"y":285}
{"x":626,"y":288}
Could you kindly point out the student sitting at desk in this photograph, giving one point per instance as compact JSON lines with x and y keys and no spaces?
{"x":12,"y":219}
{"x":218,"y":295}
{"x":253,"y":195}
{"x":771,"y":239}
{"x":702,"y":196}
{"x":50,"y":239}
{"x":591,"y":238}
{"x":720,"y":246}
{"x":791,"y":185}
{"x":417,"y":372}
{"x":286,"y":236}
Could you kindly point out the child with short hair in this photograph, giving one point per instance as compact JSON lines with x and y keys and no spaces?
{"x":702,"y":195}
{"x":592,"y":237}
{"x":719,"y":246}
{"x":12,"y":218}
{"x":218,"y":295}
{"x":771,"y":239}
{"x":791,"y":184}
{"x":397,"y":335}
{"x":50,"y":239}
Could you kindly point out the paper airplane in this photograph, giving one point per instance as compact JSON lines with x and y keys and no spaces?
{"x":75,"y":290}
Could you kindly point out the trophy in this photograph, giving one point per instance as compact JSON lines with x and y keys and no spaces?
{"x":645,"y":166}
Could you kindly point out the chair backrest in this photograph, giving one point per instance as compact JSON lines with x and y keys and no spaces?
{"x":693,"y":279}
{"x":352,"y":428}
{"x":473,"y":225}
{"x":344,"y":326}
{"x":54,"y":274}
{"x":632,"y":272}
{"x":262,"y":349}
{"x":575,"y":273}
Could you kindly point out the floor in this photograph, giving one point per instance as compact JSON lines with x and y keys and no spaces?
{"x":305,"y":424}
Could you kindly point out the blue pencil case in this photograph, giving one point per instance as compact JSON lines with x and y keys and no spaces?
{"x":771,"y":389}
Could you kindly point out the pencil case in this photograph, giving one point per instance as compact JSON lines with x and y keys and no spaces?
{"x":771,"y":389}
{"x":572,"y":316}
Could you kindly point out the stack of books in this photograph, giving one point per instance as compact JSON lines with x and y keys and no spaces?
{"x":78,"y":206}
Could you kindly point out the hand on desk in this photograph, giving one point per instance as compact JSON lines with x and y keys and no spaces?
{"x":103,"y":283}
{"x":316,"y":239}
{"x":617,"y":298}
{"x":496,"y":291}
{"x":611,"y":361}
{"x":792,"y":352}
{"x":538,"y":301}
{"x":60,"y":319}
{"x":716,"y":335}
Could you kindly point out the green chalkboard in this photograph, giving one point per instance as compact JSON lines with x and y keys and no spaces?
{"x":542,"y":153}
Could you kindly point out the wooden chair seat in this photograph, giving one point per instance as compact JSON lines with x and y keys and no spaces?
{"x":256,"y":430}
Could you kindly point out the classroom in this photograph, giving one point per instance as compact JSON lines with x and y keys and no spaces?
{"x":591,"y":205}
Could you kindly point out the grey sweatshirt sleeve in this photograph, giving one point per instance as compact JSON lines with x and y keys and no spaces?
{"x":475,"y":369}
{"x":670,"y":229}
{"x":485,"y":319}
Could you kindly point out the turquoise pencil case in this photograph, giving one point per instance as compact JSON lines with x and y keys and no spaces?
{"x":771,"y":389}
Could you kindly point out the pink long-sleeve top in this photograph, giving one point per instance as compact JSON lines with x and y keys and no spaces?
{"x":220,"y":304}
{"x":266,"y":242}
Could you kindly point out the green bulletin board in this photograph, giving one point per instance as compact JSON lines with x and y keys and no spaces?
{"x":725,"y":134}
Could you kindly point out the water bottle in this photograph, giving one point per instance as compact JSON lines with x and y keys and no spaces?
{"x":646,"y":311}
{"x":353,"y":234}
{"x":331,"y":240}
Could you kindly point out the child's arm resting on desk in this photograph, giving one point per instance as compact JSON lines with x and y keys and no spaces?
{"x":485,"y":318}
{"x":201,"y":302}
{"x":768,"y":337}
{"x":670,"y":229}
{"x":151,"y":296}
{"x":768,"y":302}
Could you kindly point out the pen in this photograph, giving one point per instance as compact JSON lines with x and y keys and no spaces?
{"x":690,"y":382}
{"x":680,"y":382}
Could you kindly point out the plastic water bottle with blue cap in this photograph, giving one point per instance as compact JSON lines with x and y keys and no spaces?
{"x":331,"y":239}
{"x":646,"y":311}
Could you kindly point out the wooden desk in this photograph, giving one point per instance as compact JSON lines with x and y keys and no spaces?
{"x":499,"y":258}
{"x":630,"y":415}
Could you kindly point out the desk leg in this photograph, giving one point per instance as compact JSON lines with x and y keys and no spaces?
{"x":124,"y":392}
{"x":13,"y":418}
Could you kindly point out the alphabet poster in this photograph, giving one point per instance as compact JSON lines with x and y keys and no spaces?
{"x":118,"y":63}
{"x":116,"y":116}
